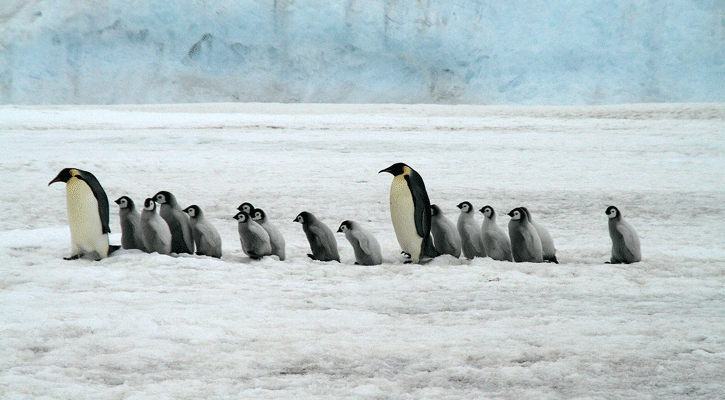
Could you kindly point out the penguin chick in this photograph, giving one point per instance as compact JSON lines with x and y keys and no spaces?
{"x":88,"y":214}
{"x":206,"y":238}
{"x":247,"y":208}
{"x":364,"y":244}
{"x":182,"y":240}
{"x":255,"y":240}
{"x":131,"y":237}
{"x":495,"y":241}
{"x":547,"y":243}
{"x":525,"y":241}
{"x":470,"y":232}
{"x":410,"y":213}
{"x":154,"y":229}
{"x":322,"y":240}
{"x":446,"y":238}
{"x":275,"y":236}
{"x":625,"y":242}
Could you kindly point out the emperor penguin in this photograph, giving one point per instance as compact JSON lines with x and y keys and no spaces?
{"x":446,"y":238}
{"x":206,"y":237}
{"x":547,"y":243}
{"x":364,"y":244}
{"x":275,"y":236}
{"x":525,"y":241}
{"x":88,"y":214}
{"x":322,"y":241}
{"x":470,"y":232}
{"x":182,"y":240}
{"x":410,"y":213}
{"x":131,"y":237}
{"x":625,"y":242}
{"x":154,"y":229}
{"x":495,"y":240}
{"x":247,"y":208}
{"x":254,"y":239}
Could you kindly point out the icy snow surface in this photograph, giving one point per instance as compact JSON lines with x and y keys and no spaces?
{"x":353,"y":51}
{"x":140,"y":326}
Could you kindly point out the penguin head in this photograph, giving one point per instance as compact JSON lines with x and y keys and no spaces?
{"x":259,"y":215}
{"x":65,"y":175}
{"x":242,"y":217}
{"x":465,"y":207}
{"x":164,"y":197}
{"x":194,"y":211}
{"x":304,"y":218}
{"x":488,"y":211}
{"x":613,"y":212}
{"x":397,"y":169}
{"x":246,"y":207}
{"x":345,"y":226}
{"x":149,"y":204}
{"x":434,"y":210}
{"x":125,"y":202}
{"x":517,"y":214}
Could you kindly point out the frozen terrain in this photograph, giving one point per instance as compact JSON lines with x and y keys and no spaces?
{"x":140,"y":326}
{"x":353,"y":51}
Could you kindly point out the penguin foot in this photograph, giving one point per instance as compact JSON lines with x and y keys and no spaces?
{"x":406,"y":254}
{"x":73,"y":257}
{"x":312,"y":257}
{"x":112,"y":248}
{"x":408,"y":262}
{"x":552,"y":260}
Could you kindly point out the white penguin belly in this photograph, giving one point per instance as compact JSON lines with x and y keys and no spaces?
{"x":402,"y":213}
{"x":85,"y":223}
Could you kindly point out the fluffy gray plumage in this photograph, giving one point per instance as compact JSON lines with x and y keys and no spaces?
{"x":254,"y":239}
{"x":182,"y":240}
{"x":275,"y":236}
{"x":547,"y":243}
{"x":364,"y":244}
{"x":322,"y":241}
{"x":446,"y":238}
{"x":206,"y":238}
{"x":470,"y":232}
{"x":495,"y":240}
{"x":525,"y":241}
{"x":131,"y":237}
{"x":154,"y":230}
{"x":625,"y":242}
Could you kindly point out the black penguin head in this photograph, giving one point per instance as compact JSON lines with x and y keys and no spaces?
{"x":465,"y":207}
{"x":164,"y":197}
{"x":345,"y":226}
{"x":304,"y":218}
{"x":517,"y":214}
{"x":194,"y":211}
{"x":66,"y":174}
{"x":246,"y":207}
{"x":149,"y":204}
{"x":488,"y":211}
{"x":613,"y":212}
{"x":397,"y":169}
{"x":258,"y":214}
{"x":125,"y":202}
{"x":434,"y":210}
{"x":242,"y":217}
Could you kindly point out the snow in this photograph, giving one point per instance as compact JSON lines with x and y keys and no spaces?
{"x":351,"y":51}
{"x":138,"y":326}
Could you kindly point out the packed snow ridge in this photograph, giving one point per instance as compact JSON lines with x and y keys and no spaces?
{"x":458,"y":51}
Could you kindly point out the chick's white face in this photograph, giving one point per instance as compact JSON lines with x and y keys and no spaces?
{"x":246,"y":208}
{"x":517,"y":215}
{"x":465,"y":207}
{"x":612,"y":213}
{"x":300,"y":219}
{"x":123,"y":203}
{"x":242,"y":217}
{"x":160,"y":198}
{"x":257,"y":215}
{"x":488,"y":211}
{"x":191,"y":212}
{"x":344,"y":228}
{"x":149,"y":205}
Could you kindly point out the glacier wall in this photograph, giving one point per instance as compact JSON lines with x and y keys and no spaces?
{"x":403,"y":51}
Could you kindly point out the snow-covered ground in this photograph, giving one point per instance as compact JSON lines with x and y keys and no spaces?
{"x":139,"y":326}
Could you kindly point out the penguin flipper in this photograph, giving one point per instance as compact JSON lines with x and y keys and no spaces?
{"x":363,"y":241}
{"x":628,"y":237}
{"x":421,"y":203}
{"x":319,"y":241}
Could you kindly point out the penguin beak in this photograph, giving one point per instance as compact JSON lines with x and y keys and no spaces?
{"x":339,"y":229}
{"x":481,"y":210}
{"x":56,"y":179}
{"x":385,"y":170}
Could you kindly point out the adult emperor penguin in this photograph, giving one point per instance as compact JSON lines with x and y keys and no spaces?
{"x":275,"y":236}
{"x":254,"y":239}
{"x":206,"y":237}
{"x":547,"y":243}
{"x":470,"y":232}
{"x":410,"y":212}
{"x":625,"y":242}
{"x":495,"y":240}
{"x":446,"y":238}
{"x":154,"y":229}
{"x":322,"y":241}
{"x":364,"y":244}
{"x":130,"y":224}
{"x":182,"y":240}
{"x":87,"y":206}
{"x":525,"y":241}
